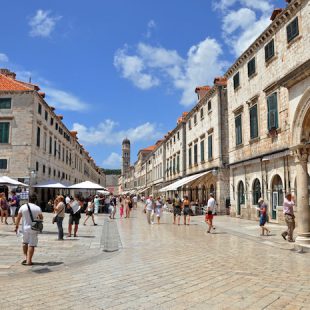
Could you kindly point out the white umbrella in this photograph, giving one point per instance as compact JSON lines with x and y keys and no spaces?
{"x":87,"y":185}
{"x":9,"y":181}
{"x":50,"y":184}
{"x":104,"y":192}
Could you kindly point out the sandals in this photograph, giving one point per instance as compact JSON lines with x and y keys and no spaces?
{"x":24,"y":263}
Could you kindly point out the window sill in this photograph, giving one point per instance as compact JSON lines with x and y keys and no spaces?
{"x":254,"y":140}
{"x":271,"y":60}
{"x":294,"y":40}
{"x":237,"y":88}
{"x":252,"y":76}
{"x":273,"y":132}
{"x":210,"y":159}
{"x":210,"y":111}
{"x":239,"y":146}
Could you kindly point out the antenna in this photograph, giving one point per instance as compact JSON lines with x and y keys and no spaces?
{"x":29,"y":79}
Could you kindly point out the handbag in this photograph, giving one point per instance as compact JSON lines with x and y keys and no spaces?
{"x":36,"y":224}
{"x":55,"y":216}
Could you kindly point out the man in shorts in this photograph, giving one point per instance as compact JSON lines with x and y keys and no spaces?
{"x":211,"y":211}
{"x":177,"y":209}
{"x":30,"y":237}
{"x":75,"y":215}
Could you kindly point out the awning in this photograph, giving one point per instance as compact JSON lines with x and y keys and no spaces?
{"x":174,"y":186}
{"x":144,"y":190}
{"x":50,"y":184}
{"x":276,"y":155}
{"x":5,"y":180}
{"x":87,"y":185}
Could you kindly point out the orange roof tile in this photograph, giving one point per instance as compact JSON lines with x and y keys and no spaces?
{"x":8,"y":84}
{"x":149,"y":148}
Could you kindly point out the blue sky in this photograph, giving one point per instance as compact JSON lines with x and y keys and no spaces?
{"x":124,"y":68}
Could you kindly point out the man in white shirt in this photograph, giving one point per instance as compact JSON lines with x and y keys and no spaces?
{"x":30,"y":237}
{"x":211,"y":210}
{"x":149,"y":209}
{"x":135,"y":201}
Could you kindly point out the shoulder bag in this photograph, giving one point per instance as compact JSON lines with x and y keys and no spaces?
{"x":36,"y":224}
{"x":54,"y":220}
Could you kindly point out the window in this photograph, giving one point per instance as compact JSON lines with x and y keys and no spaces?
{"x":45,"y":141}
{"x":174,"y":139}
{"x":3,"y":164}
{"x":272,"y":103}
{"x":253,"y":122}
{"x":39,"y":108}
{"x":52,"y":121}
{"x":178,"y":163}
{"x":189,"y":124}
{"x":4,"y":132}
{"x":178,"y":135}
{"x":210,"y":147}
{"x":38,"y":136}
{"x":201,"y":113}
{"x":190,"y":157}
{"x":202,"y":151}
{"x":55,"y":148}
{"x":196,"y":154}
{"x":292,"y":30}
{"x":46,"y":115}
{"x":236,"y":79}
{"x":256,"y":191}
{"x":37,"y":166}
{"x":238,"y":128}
{"x":56,"y":126}
{"x":269,"y":50}
{"x":43,"y":169}
{"x":59,"y":151}
{"x":251,"y":67}
{"x":209,"y":105}
{"x":49,"y":170}
{"x":173,"y":165}
{"x":195,"y":119}
{"x":5,"y":103}
{"x":54,"y":172}
{"x":51,"y":145}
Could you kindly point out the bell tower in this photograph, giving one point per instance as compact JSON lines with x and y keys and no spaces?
{"x":125,"y":156}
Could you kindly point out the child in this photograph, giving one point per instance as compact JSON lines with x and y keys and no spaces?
{"x":121,"y":209}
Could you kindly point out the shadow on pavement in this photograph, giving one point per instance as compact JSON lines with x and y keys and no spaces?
{"x":49,"y":264}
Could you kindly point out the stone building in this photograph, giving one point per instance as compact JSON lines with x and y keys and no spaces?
{"x":35,"y":143}
{"x":266,"y":88}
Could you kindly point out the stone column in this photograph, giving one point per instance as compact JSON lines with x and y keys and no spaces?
{"x":303,"y":210}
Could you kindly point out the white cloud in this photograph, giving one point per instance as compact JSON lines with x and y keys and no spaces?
{"x":4,"y":57}
{"x":42,"y":24}
{"x":107,"y":133}
{"x":63,"y":100}
{"x":243,"y":21}
{"x":159,"y":64}
{"x":112,"y":161}
{"x":131,"y":68}
{"x":150,"y":26}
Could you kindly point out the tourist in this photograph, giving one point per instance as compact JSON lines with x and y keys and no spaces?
{"x":288,"y":210}
{"x":135,"y":201}
{"x":121,"y":208}
{"x":186,"y":209}
{"x":90,"y":212}
{"x":113,"y":207}
{"x":126,"y":204}
{"x":67,"y":200}
{"x":176,"y":208}
{"x":149,"y":209}
{"x":3,"y":209}
{"x":96,"y":204}
{"x":50,"y":206}
{"x":158,"y":209}
{"x":263,"y":216}
{"x":107,"y":202}
{"x":130,"y":205}
{"x":14,"y":205}
{"x":75,"y":215}
{"x":30,"y":237}
{"x":211,"y":210}
{"x":59,"y":210}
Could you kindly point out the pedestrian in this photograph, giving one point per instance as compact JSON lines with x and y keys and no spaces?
{"x":263,"y":216}
{"x":59,"y":210}
{"x":135,"y":201}
{"x":75,"y":215}
{"x":106,"y":204}
{"x":121,"y":208}
{"x":14,"y":205}
{"x":186,"y":209}
{"x":158,"y":209}
{"x":67,"y":200}
{"x":210,"y":212}
{"x":113,"y":207}
{"x":176,"y":208}
{"x":149,"y":209}
{"x":288,"y":210}
{"x":3,"y":209}
{"x":30,"y":237}
{"x":90,"y":212}
{"x":96,"y":204}
{"x":127,"y":209}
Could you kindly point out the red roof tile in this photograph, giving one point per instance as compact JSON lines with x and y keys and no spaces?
{"x":9,"y":84}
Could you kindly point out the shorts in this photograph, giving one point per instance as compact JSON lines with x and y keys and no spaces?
{"x":177,"y":211}
{"x":89,"y":213}
{"x":262,"y":220}
{"x":30,"y":237}
{"x":12,"y":211}
{"x":186,"y":210}
{"x":74,"y":219}
{"x":209,"y":216}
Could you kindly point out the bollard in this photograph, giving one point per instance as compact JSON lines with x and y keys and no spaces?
{"x":110,"y":237}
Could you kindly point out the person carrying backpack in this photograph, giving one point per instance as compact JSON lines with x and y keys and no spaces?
{"x":176,"y":208}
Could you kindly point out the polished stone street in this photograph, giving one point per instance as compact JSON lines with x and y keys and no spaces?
{"x":157,"y":267}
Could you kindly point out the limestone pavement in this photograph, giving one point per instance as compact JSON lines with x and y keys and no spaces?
{"x":158,"y":267}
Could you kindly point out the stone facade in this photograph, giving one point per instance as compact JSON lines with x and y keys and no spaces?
{"x":39,"y":146}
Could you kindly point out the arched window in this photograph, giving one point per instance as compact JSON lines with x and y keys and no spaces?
{"x":277,"y":187}
{"x":257,"y":193}
{"x":241,"y":198}
{"x":212,"y":189}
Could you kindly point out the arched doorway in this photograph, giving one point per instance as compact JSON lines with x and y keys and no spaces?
{"x":240,"y":198}
{"x":277,"y":195}
{"x":256,"y":191}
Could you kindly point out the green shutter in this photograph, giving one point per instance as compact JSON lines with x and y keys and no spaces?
{"x":292,"y":30}
{"x":5,"y":103}
{"x":202,"y":150}
{"x":253,"y":122}
{"x":238,"y":129}
{"x":272,"y":111}
{"x":4,"y":132}
{"x":210,"y":155}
